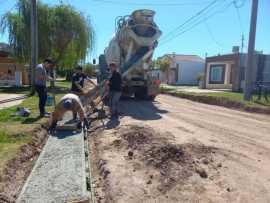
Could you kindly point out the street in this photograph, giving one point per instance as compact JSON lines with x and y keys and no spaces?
{"x":239,"y":166}
{"x":163,"y":106}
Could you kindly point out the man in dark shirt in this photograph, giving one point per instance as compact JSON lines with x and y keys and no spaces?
{"x":78,"y":79}
{"x":115,"y":86}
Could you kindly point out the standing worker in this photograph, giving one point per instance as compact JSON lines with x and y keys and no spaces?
{"x":40,"y":83}
{"x":78,"y":79}
{"x":115,"y":87}
{"x":70,"y":102}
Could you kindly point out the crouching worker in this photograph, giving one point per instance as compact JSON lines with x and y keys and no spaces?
{"x":70,"y":102}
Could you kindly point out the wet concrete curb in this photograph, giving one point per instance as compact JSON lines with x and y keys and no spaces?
{"x":59,"y":173}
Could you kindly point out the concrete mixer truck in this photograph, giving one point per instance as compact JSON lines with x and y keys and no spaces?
{"x":131,"y":48}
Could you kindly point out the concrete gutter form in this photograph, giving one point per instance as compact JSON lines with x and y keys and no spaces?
{"x":59,"y":173}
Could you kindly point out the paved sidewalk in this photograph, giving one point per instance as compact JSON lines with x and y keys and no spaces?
{"x":194,"y":89}
{"x":59,"y":174}
{"x":9,"y":96}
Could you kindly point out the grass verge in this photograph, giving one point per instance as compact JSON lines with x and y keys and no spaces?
{"x":16,"y":131}
{"x":226,"y":99}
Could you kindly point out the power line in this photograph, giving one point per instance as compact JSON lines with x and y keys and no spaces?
{"x":189,"y":19}
{"x":194,"y":25}
{"x":241,"y":5}
{"x":211,"y":34}
{"x":238,"y":14}
{"x":11,"y":8}
{"x":188,"y":27}
{"x":150,"y":4}
{"x":237,"y":7}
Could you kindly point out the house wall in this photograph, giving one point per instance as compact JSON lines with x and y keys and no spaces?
{"x":260,"y":70}
{"x":188,"y":72}
{"x":227,"y":77}
{"x":266,"y":69}
{"x":6,"y":78}
{"x":255,"y":70}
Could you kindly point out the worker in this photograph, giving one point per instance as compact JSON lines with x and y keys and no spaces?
{"x":115,"y":87}
{"x":40,"y":83}
{"x":78,"y":81}
{"x":70,"y":102}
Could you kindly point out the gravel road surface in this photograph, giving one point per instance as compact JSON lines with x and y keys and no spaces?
{"x":240,"y":164}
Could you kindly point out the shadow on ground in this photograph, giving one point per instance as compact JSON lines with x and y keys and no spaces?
{"x":141,"y":110}
{"x":62,"y":134}
{"x":112,"y":123}
{"x":31,"y":120}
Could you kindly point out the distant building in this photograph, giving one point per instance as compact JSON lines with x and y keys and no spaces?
{"x":184,"y":69}
{"x":11,"y":72}
{"x":228,"y":71}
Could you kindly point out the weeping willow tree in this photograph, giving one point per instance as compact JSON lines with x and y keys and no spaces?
{"x":63,"y":33}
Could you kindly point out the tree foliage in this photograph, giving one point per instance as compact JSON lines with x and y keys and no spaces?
{"x":63,"y":33}
{"x":163,"y":64}
{"x":90,"y":69}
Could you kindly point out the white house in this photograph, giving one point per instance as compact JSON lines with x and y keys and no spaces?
{"x":184,"y":69}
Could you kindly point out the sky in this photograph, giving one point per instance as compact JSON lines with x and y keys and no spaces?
{"x":214,"y":32}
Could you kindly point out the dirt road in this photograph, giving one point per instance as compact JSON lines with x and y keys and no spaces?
{"x":196,"y":153}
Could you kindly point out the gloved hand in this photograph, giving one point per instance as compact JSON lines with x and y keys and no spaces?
{"x":86,"y":124}
{"x":52,"y":128}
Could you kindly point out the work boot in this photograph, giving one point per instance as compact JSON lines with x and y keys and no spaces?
{"x":52,"y":128}
{"x":46,"y":115}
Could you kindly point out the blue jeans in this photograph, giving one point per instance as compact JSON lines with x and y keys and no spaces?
{"x":42,"y":94}
{"x":114,"y":100}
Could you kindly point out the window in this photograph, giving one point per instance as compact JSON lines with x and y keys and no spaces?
{"x":217,"y":73}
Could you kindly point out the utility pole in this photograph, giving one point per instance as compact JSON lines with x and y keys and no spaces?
{"x":251,"y":46}
{"x":242,"y":43}
{"x":34,"y":43}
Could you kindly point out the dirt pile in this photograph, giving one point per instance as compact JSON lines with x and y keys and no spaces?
{"x":175,"y":163}
{"x":136,"y":137}
{"x":18,"y":169}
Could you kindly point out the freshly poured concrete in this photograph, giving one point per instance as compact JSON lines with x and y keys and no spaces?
{"x":59,"y":174}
